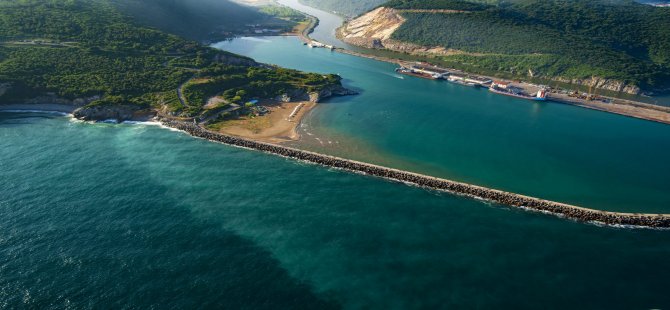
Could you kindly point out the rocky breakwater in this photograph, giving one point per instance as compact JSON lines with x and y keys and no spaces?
{"x":496,"y":196}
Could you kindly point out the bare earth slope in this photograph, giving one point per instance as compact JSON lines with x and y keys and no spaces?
{"x":375,"y":28}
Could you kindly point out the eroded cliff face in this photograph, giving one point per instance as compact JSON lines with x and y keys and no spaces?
{"x":375,"y":29}
{"x":372,"y":28}
{"x":608,"y":84}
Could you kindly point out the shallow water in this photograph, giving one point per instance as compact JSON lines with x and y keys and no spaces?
{"x":548,"y":150}
{"x":103,"y":215}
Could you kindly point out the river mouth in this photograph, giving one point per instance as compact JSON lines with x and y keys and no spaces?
{"x":188,"y":223}
{"x":561,"y":153}
{"x":329,"y":23}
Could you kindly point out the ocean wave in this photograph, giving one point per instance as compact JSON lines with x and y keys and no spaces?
{"x":145,"y":123}
{"x":170,"y":128}
{"x":109,"y":121}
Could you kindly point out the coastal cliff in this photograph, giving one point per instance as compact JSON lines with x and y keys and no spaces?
{"x":315,"y":96}
{"x":120,"y":113}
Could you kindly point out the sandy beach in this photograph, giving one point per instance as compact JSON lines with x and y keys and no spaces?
{"x":279,"y":125}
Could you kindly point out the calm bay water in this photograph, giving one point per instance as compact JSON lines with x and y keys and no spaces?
{"x":549,"y":150}
{"x":135,"y":216}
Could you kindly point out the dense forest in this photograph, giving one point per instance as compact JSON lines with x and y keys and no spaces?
{"x":614,"y":39}
{"x":86,"y":48}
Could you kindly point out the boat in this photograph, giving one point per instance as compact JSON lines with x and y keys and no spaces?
{"x":412,"y":72}
{"x":503,"y":88}
{"x":460,"y":80}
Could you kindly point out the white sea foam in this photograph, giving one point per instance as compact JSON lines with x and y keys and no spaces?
{"x":145,"y":123}
{"x":172,"y":129}
{"x":109,"y":121}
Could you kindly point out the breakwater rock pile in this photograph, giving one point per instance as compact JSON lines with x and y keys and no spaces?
{"x":492,"y":195}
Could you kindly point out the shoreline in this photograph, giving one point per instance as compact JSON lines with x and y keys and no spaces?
{"x":509,"y":199}
{"x":39,"y":107}
{"x":579,"y":214}
{"x":623,"y":107}
{"x":279,"y":125}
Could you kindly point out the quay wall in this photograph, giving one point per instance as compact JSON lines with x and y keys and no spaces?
{"x":492,"y":195}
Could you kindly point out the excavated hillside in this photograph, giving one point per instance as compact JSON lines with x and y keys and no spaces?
{"x":375,"y":28}
{"x":461,"y":37}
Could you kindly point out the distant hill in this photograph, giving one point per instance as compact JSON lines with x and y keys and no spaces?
{"x":348,"y":8}
{"x":624,"y":44}
{"x":353,"y":8}
{"x":193,"y":19}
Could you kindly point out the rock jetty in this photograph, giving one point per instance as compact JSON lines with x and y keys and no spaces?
{"x":492,"y":195}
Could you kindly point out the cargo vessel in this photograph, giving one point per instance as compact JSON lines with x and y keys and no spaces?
{"x":503,"y":88}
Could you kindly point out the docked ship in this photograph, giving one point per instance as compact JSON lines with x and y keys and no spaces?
{"x":504,"y":88}
{"x":472,"y":81}
{"x":460,"y":81}
{"x":422,"y":72}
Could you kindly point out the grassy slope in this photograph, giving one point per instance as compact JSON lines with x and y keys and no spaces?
{"x":614,"y":39}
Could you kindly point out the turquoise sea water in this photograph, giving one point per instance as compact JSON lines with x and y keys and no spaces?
{"x":136,"y":216}
{"x":549,"y":150}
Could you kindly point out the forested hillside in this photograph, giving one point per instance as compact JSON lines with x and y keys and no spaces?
{"x":89,"y":48}
{"x":572,"y":39}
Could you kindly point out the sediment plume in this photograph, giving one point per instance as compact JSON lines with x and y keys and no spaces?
{"x":492,"y":195}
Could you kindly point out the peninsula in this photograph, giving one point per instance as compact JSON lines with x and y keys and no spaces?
{"x":135,"y":72}
{"x":95,"y":57}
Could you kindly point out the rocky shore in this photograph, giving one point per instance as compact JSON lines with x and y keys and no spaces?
{"x":496,"y":196}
